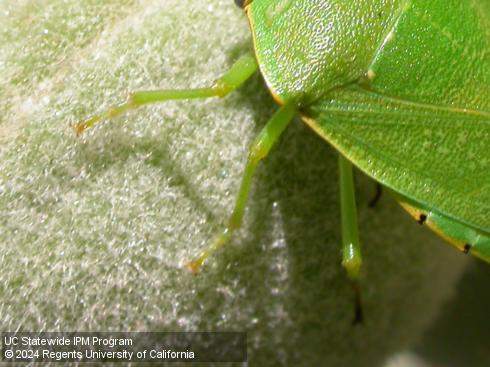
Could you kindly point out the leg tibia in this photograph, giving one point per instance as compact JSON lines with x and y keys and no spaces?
{"x":351,"y":251}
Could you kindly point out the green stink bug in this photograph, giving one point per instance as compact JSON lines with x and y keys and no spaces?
{"x":400,"y":88}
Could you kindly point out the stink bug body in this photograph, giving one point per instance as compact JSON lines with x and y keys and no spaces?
{"x":400,"y":88}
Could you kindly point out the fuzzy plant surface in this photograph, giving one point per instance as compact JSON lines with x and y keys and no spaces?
{"x":460,"y":335}
{"x":94,"y":230}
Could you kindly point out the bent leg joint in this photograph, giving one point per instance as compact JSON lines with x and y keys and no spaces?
{"x":221,"y":88}
{"x":353,"y":267}
{"x":256,"y":153}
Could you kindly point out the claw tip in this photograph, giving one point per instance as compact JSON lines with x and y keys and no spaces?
{"x":79,"y":128}
{"x":193,"y":266}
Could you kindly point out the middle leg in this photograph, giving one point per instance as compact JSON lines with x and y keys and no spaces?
{"x":258,"y":151}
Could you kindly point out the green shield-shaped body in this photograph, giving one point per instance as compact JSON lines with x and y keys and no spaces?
{"x":401,"y":88}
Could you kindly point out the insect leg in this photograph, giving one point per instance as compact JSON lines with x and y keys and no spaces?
{"x":377,"y":196}
{"x":242,"y":70}
{"x":351,"y":252}
{"x":258,"y":151}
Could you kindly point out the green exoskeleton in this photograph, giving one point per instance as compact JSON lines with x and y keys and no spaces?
{"x":400,"y":88}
